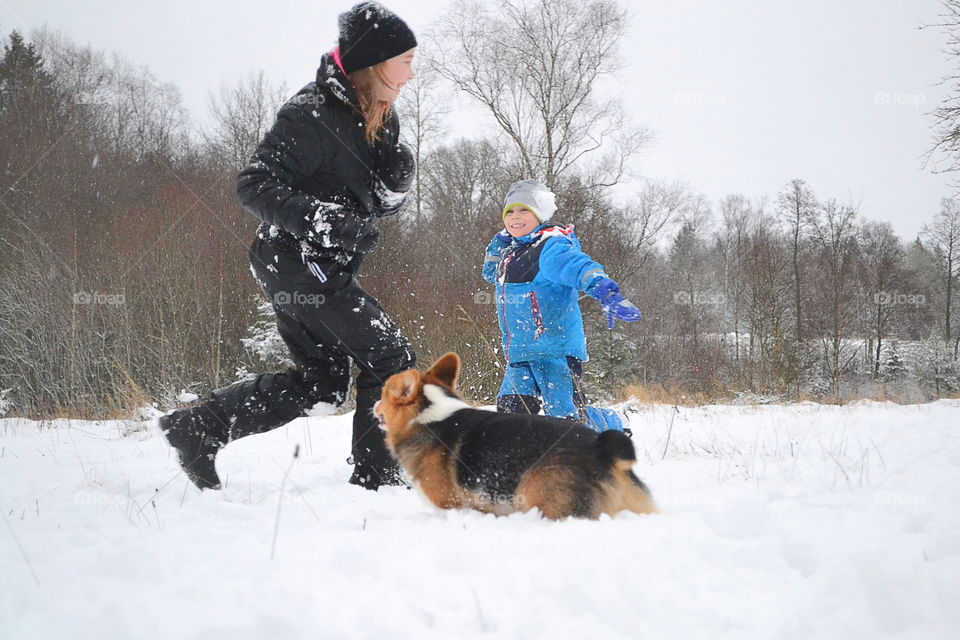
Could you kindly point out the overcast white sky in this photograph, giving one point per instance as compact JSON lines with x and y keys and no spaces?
{"x":744,"y":95}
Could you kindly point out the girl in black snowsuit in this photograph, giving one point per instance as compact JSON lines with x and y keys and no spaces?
{"x":328,"y":168}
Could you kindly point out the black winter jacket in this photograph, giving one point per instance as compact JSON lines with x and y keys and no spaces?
{"x":316,"y":183}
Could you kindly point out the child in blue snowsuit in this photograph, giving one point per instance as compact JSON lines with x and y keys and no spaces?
{"x":539,"y":271}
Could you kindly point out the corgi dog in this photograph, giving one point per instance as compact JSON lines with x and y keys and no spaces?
{"x":462,"y":457}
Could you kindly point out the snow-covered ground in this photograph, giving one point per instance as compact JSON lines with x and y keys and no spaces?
{"x":797,"y":521}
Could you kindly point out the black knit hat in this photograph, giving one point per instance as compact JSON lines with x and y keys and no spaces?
{"x":370,"y":34}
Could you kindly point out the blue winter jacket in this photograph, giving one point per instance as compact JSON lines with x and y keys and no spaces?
{"x":538,"y":278}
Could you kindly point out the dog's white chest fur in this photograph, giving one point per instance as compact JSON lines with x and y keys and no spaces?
{"x":441,"y":406}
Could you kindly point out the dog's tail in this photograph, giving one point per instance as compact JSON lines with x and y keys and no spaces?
{"x":615,"y":449}
{"x":624,"y":490}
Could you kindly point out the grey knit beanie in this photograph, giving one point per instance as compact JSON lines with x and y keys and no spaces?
{"x":533,"y":196}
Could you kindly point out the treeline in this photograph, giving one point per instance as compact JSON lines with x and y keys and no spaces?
{"x":124,"y":276}
{"x":799,"y":298}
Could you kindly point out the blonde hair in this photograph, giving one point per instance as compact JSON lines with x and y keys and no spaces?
{"x":374,"y":110}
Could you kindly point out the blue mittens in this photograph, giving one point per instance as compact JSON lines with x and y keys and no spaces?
{"x":615,"y":306}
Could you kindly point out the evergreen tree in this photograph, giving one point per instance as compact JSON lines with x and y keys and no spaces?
{"x":894,"y":368}
{"x":31,"y":113}
{"x":22,"y":77}
{"x":263,"y":340}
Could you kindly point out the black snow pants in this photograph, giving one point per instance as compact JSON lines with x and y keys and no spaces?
{"x":326,"y":320}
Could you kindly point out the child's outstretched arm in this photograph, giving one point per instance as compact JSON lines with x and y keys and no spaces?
{"x":563,"y":262}
{"x":606,"y":291}
{"x":491,"y":258}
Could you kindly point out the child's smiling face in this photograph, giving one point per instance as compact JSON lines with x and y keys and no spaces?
{"x":519,"y":221}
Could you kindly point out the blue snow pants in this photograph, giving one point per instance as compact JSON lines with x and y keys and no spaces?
{"x":552,"y":384}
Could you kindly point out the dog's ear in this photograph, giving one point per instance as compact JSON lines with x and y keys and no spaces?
{"x":403,"y":387}
{"x":446,"y":369}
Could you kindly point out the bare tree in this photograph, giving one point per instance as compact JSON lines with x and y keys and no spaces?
{"x":463,"y":185}
{"x":944,"y":235}
{"x":642,"y":221}
{"x":81,"y":71}
{"x":834,"y":234}
{"x":142,"y":116}
{"x":688,"y":257}
{"x":946,"y":117}
{"x":242,"y":113}
{"x":738,"y":216}
{"x":881,"y":264}
{"x":797,"y":206}
{"x":534,"y":65}
{"x":422,"y":108}
{"x":771,"y":362}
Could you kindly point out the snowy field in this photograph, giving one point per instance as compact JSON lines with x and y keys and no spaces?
{"x":795,"y":521}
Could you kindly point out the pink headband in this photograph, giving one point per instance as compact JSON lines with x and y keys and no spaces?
{"x":335,"y":52}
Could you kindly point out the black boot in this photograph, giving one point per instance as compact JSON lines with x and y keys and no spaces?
{"x":374,"y":477}
{"x":374,"y":466}
{"x":197,"y":434}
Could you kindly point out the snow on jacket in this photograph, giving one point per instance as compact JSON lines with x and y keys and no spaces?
{"x":538,"y":278}
{"x":314,"y":169}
